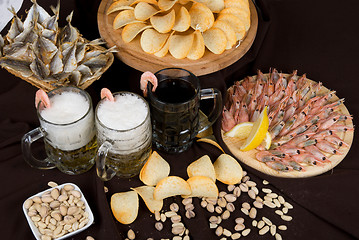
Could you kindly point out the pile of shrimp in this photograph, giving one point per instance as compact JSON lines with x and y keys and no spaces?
{"x":304,"y":122}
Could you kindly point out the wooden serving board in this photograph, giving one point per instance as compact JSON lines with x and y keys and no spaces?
{"x":249,"y":158}
{"x":133,"y":55}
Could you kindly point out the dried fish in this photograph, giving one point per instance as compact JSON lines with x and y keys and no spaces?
{"x":36,"y":11}
{"x":38,"y":47}
{"x":20,"y":66}
{"x":39,"y":69}
{"x":56,"y":65}
{"x":69,"y":33}
{"x":69,"y":59}
{"x":16,"y":26}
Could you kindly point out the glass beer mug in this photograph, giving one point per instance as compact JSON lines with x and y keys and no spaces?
{"x":123,"y":134}
{"x":175,"y":113}
{"x":68,"y":129}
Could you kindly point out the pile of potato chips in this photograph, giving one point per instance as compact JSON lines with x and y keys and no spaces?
{"x":202,"y":175}
{"x":185,"y":28}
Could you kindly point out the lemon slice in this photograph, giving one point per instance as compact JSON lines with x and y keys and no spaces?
{"x":258,"y":132}
{"x":241,"y":130}
{"x":267,"y":141}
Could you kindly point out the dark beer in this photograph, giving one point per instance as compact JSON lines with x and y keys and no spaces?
{"x":174,"y":114}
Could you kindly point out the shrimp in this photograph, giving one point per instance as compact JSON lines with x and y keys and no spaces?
{"x":315,"y":152}
{"x":41,"y":96}
{"x":327,"y":147}
{"x":336,"y":141}
{"x":265,"y":156}
{"x":145,"y":78}
{"x":306,"y":158}
{"x":341,"y":128}
{"x":106,"y":93}
{"x":228,"y":121}
{"x":278,"y":166}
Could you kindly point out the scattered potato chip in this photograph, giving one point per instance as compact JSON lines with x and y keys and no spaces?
{"x":152,"y":41}
{"x":228,"y":31}
{"x":183,"y":2}
{"x":202,"y":186}
{"x":131,"y":30}
{"x":197,"y":50}
{"x":146,"y":193}
{"x":124,"y":206}
{"x":123,"y":18}
{"x":215,"y":40}
{"x":119,"y":5}
{"x":241,"y":14}
{"x":154,"y":2}
{"x":202,"y":167}
{"x":202,"y":17}
{"x":228,"y":169}
{"x":166,"y":5}
{"x":144,"y":11}
{"x":180,"y":45}
{"x":182,"y":20}
{"x":235,"y":23}
{"x":171,"y":186}
{"x":155,"y":169}
{"x":215,"y":5}
{"x":164,"y":50}
{"x":163,"y":23}
{"x":210,"y":141}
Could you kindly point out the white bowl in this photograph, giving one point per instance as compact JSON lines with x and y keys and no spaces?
{"x":34,"y":229}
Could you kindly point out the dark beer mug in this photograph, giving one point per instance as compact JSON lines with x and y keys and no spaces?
{"x":175,"y":114}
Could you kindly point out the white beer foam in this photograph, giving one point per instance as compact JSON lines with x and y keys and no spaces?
{"x":126,"y":112}
{"x":68,"y":107}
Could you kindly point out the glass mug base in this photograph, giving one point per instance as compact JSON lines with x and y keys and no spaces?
{"x":173,"y":149}
{"x":78,"y":170}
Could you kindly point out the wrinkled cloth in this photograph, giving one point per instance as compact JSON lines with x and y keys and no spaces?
{"x":318,"y":38}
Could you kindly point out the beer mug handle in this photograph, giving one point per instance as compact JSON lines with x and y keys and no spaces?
{"x":104,"y":172}
{"x":206,"y":121}
{"x":26,"y":142}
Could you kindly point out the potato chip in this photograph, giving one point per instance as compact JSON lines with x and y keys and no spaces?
{"x":164,"y":50}
{"x":123,"y":18}
{"x":163,"y":23}
{"x":154,"y":2}
{"x":228,"y":31}
{"x":171,"y":186}
{"x":180,"y":45}
{"x":202,"y":167}
{"x":215,"y":5}
{"x":119,"y":5}
{"x":228,"y":169}
{"x":166,"y":5}
{"x":155,"y":169}
{"x":131,"y":30}
{"x":124,"y":206}
{"x":202,"y":17}
{"x":241,"y":14}
{"x":202,"y":186}
{"x":243,"y":4}
{"x":152,"y":41}
{"x":144,"y":11}
{"x":197,"y":50}
{"x":215,"y":40}
{"x":235,"y":23}
{"x":183,"y":2}
{"x":210,"y":141}
{"x":146,"y":193}
{"x":182,"y":20}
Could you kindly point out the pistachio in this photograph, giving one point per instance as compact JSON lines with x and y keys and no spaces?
{"x":28,"y":203}
{"x":218,"y":209}
{"x":230,"y":207}
{"x":236,"y":236}
{"x":36,"y":199}
{"x":54,"y":204}
{"x":76,"y":193}
{"x":239,"y":220}
{"x":219,"y":231}
{"x":52,"y":184}
{"x":186,"y":201}
{"x":230,"y":197}
{"x":63,"y":210}
{"x":226,"y":214}
{"x":245,"y":232}
{"x":68,"y":187}
{"x":239,"y":227}
{"x":131,"y":234}
{"x":55,"y":193}
{"x":230,"y":187}
{"x":177,"y":230}
{"x":174,"y":207}
{"x":264,"y":230}
{"x":204,"y":203}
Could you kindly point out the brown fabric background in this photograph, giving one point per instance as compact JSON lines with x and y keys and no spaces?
{"x":319,"y":38}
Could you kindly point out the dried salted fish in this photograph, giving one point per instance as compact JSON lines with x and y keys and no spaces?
{"x":20,"y":66}
{"x":56,"y":65}
{"x":45,"y":48}
{"x":69,"y":59}
{"x":40,"y":49}
{"x":69,"y":33}
{"x":35,"y":12}
{"x":39,"y":69}
{"x":16,"y":27}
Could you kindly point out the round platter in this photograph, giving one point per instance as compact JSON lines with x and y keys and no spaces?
{"x":249,"y":158}
{"x":133,"y":55}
